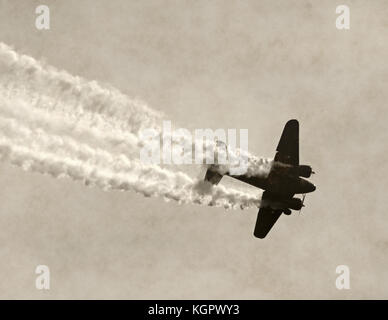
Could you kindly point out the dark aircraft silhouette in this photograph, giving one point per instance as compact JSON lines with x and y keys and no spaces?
{"x":282,"y":183}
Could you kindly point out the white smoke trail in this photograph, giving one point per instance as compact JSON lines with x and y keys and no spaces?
{"x":65,"y":157}
{"x":78,"y":95}
{"x":54,"y":123}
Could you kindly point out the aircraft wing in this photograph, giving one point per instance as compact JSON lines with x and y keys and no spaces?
{"x":288,"y":147}
{"x":266,"y":218}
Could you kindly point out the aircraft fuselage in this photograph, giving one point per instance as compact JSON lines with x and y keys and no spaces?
{"x":281,"y":180}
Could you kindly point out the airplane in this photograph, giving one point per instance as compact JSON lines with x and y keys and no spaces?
{"x":280,"y":185}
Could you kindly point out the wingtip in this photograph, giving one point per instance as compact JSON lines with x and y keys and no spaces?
{"x":293,"y":121}
{"x":259,"y":235}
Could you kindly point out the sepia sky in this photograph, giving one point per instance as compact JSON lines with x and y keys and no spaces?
{"x":212,"y":64}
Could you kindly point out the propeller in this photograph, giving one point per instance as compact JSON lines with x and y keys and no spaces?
{"x":304,"y":196}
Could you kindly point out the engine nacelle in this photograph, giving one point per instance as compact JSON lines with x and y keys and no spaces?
{"x":287,"y":211}
{"x":295,"y":204}
{"x":283,"y":204}
{"x":305,"y":171}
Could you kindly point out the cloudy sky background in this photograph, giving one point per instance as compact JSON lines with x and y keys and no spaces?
{"x":212,"y":64}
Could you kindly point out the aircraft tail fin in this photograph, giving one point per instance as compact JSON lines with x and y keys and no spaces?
{"x":212,"y":176}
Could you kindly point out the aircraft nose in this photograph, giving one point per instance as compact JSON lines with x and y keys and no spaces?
{"x":313,"y":187}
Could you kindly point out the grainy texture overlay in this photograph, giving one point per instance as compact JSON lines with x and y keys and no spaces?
{"x":211,"y":64}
